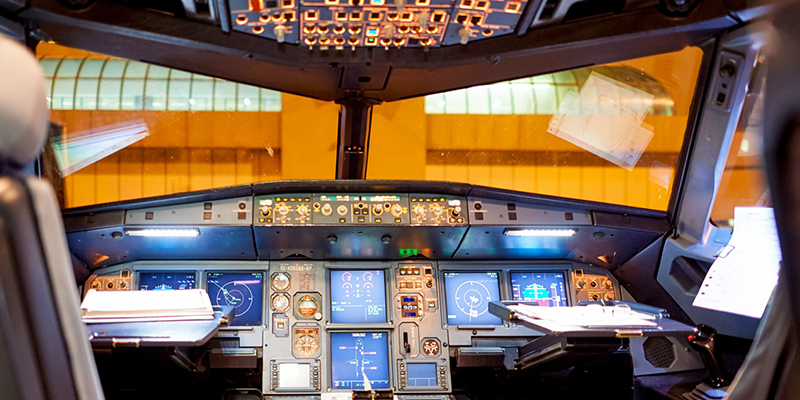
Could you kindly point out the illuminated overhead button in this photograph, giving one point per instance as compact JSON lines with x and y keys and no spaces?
{"x":258,"y":30}
{"x":355,"y":16}
{"x":403,"y":29}
{"x":288,"y":16}
{"x":308,"y":29}
{"x":461,"y":18}
{"x":241,"y":20}
{"x":354,"y":29}
{"x":311,"y":15}
{"x":406,"y":16}
{"x":482,"y":4}
{"x":341,"y":16}
{"x":324,"y":41}
{"x":256,"y":5}
{"x":438,"y":16}
{"x":339,"y":30}
{"x":487,"y":32}
{"x":392,"y":16}
{"x":372,"y":31}
{"x":371,"y":41}
{"x":310,"y":41}
{"x":513,"y":6}
{"x":466,"y":3}
{"x":399,"y":42}
{"x":375,"y":16}
{"x":476,"y":19}
{"x":339,"y":40}
{"x":322,"y":30}
{"x":264,"y":18}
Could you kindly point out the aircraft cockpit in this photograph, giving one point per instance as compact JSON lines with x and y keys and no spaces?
{"x":376,"y":199}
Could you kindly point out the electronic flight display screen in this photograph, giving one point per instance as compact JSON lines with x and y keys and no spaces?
{"x":243,"y":290}
{"x":358,"y":296}
{"x":166,"y":280}
{"x":545,"y":288}
{"x":356,"y":355}
{"x":421,"y":375}
{"x":468,"y":296}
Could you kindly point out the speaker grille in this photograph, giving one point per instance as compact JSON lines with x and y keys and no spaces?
{"x":659,"y":352}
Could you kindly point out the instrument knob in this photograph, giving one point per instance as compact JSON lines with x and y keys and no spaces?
{"x":282,"y":209}
{"x":397,"y":209}
{"x":455,"y":211}
{"x":377,"y":209}
{"x":302,"y":210}
{"x":327,"y":209}
{"x":419,"y":210}
{"x":341,"y":210}
{"x":437,"y":209}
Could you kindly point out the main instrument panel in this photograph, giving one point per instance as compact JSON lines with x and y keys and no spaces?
{"x":322,"y":326}
{"x":340,"y":24}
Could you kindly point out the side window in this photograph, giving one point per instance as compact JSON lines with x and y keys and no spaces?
{"x":743,"y":182}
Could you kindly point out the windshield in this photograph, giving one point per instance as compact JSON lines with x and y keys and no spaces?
{"x":124,"y":130}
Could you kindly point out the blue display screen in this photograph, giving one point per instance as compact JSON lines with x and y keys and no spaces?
{"x":166,"y":280}
{"x":355,"y":355}
{"x":243,"y":290}
{"x":358,"y":296}
{"x":421,"y":375}
{"x":545,"y":288}
{"x":468,"y":297}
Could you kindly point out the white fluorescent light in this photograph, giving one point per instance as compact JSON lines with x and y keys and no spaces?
{"x":163,"y":232}
{"x":539,"y":232}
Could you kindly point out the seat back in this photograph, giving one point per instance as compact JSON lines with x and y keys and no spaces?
{"x":44,"y":348}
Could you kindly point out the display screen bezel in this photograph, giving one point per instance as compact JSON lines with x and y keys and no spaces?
{"x":261,"y":301}
{"x":446,"y":304}
{"x":389,"y":355}
{"x":564,"y":273}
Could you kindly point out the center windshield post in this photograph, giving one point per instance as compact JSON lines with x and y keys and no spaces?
{"x":355,"y":120}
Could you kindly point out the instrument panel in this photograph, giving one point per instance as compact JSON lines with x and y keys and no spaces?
{"x":332,"y":325}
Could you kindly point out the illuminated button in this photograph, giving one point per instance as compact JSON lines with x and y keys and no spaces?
{"x":397,"y":220}
{"x":378,"y":220}
{"x":360,"y":219}
{"x":342,"y":220}
{"x":262,"y":220}
{"x":431,"y":304}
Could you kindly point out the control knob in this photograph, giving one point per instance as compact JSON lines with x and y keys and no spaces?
{"x":282,"y":209}
{"x":341,"y":210}
{"x":266,"y":211}
{"x":327,"y":209}
{"x":419,"y":210}
{"x":397,"y":210}
{"x":377,"y":209}
{"x":455,"y":211}
{"x":437,"y":209}
{"x":302,"y":210}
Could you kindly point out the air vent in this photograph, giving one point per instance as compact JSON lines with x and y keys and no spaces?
{"x":659,"y":352}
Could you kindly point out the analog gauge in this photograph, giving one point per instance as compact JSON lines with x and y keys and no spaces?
{"x":281,"y":281}
{"x":306,"y":346}
{"x":280,"y":302}
{"x":430,"y":347}
{"x":307,"y":306}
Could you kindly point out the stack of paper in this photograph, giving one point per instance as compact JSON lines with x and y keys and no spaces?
{"x":146,"y":305}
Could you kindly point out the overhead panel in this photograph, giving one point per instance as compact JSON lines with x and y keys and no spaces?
{"x":341,"y":24}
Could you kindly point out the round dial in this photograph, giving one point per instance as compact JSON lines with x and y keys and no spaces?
{"x":280,"y":302}
{"x":307,"y":306}
{"x":430,"y":347}
{"x":306,"y":346}
{"x":281,"y":281}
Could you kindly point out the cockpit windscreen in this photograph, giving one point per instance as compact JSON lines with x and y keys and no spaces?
{"x":468,"y":297}
{"x":358,"y":296}
{"x":243,"y":290}
{"x":545,"y":288}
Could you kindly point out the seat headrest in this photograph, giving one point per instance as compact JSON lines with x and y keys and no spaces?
{"x":23,"y":104}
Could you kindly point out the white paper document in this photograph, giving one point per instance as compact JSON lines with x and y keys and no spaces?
{"x":742,"y":278}
{"x":593,"y":315}
{"x":146,"y":305}
{"x":605,"y":118}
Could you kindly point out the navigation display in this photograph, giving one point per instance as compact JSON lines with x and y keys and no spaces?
{"x":421,"y":374}
{"x":358,"y":296}
{"x":545,"y":288}
{"x":359,"y":355}
{"x":468,"y":295}
{"x":243,"y":290}
{"x":166,"y":280}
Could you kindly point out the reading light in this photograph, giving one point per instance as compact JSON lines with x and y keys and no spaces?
{"x":163,"y":232}
{"x":539,"y":232}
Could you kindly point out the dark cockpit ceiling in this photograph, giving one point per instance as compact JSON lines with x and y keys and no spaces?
{"x":593,"y":33}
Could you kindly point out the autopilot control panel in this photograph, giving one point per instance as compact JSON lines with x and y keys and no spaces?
{"x":328,"y":326}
